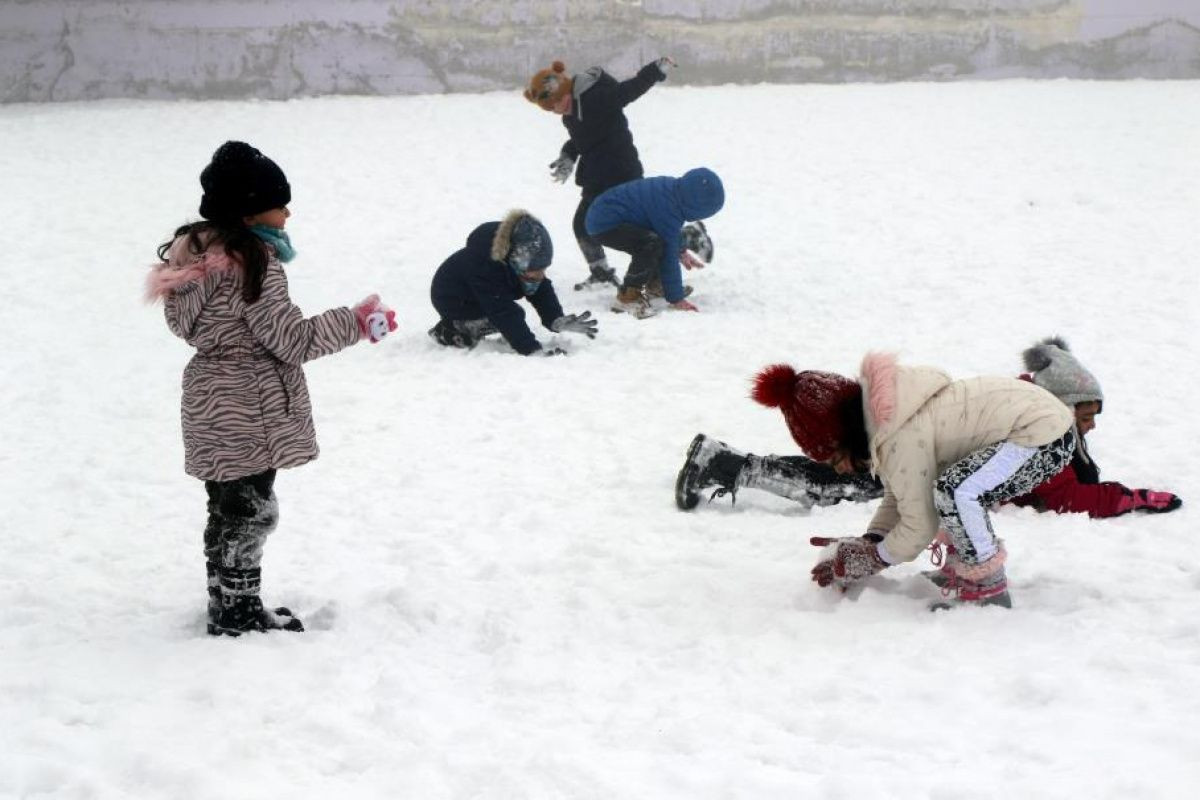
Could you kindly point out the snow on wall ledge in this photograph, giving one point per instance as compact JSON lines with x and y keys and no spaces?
{"x":84,"y":49}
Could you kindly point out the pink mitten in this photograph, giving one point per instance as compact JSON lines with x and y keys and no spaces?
{"x":1148,"y":500}
{"x":375,"y":320}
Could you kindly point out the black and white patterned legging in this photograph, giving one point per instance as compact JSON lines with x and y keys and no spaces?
{"x":964,"y":490}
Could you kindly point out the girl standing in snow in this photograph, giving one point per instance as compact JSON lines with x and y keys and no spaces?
{"x":246,"y":409}
{"x":944,"y":449}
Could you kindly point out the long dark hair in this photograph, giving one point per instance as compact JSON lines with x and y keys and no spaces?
{"x":240,"y":244}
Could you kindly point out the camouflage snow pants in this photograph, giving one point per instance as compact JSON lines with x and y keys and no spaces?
{"x":241,"y":513}
{"x":806,"y":481}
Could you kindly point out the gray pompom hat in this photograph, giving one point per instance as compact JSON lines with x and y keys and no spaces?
{"x":1056,"y":370}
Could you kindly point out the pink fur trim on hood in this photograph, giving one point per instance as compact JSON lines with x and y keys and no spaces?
{"x":878,"y":372}
{"x":184,"y":267}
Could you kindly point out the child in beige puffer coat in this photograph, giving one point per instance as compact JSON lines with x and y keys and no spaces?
{"x":945,"y":450}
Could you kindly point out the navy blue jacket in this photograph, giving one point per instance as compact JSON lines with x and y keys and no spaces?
{"x":662,"y":205}
{"x":599,"y":131}
{"x":470,"y":285}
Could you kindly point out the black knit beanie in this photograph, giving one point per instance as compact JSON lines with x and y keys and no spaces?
{"x":241,"y":182}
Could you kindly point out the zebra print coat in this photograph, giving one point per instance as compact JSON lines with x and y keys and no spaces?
{"x":246,"y":407}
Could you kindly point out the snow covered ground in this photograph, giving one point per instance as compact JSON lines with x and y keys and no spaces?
{"x":502,"y":600}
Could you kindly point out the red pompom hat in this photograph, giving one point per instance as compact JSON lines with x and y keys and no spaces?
{"x":812,"y":403}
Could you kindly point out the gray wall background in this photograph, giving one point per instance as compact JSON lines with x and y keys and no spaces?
{"x":81,"y":49}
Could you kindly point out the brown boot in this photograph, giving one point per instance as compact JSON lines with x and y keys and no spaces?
{"x":631,"y":300}
{"x":654,"y":289}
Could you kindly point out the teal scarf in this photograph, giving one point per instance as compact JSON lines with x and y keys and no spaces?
{"x":278,"y":239}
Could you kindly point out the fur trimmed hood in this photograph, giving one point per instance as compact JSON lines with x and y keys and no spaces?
{"x":892,"y":394}
{"x":502,"y":241}
{"x":522,"y":242}
{"x":184,"y":267}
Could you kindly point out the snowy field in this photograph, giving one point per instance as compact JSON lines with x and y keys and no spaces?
{"x":502,"y":599}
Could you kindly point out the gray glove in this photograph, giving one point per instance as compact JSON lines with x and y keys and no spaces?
{"x":576,"y":323}
{"x":561,"y":168}
{"x":554,"y":351}
{"x":665,"y":65}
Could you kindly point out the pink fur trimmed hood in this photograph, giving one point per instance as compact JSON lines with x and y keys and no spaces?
{"x":878,"y":378}
{"x":184,"y":267}
{"x":892,"y":394}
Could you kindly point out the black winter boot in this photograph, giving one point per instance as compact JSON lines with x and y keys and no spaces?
{"x":242,"y":609}
{"x":244,"y":613}
{"x":464,"y":333}
{"x":214,"y":598}
{"x":599,"y":274}
{"x":445,"y":334}
{"x":709,"y":463}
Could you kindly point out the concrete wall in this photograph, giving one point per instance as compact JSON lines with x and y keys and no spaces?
{"x":80,"y":49}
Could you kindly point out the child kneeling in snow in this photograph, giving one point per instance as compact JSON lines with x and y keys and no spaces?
{"x":945,"y":450}
{"x":246,"y":409}
{"x":475,"y":290}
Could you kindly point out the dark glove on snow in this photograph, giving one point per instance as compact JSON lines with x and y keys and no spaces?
{"x":854,"y":560}
{"x":576,"y":323}
{"x":554,"y":351}
{"x":561,"y":168}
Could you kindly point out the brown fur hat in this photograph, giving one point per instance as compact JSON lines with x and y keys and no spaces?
{"x":548,"y":86}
